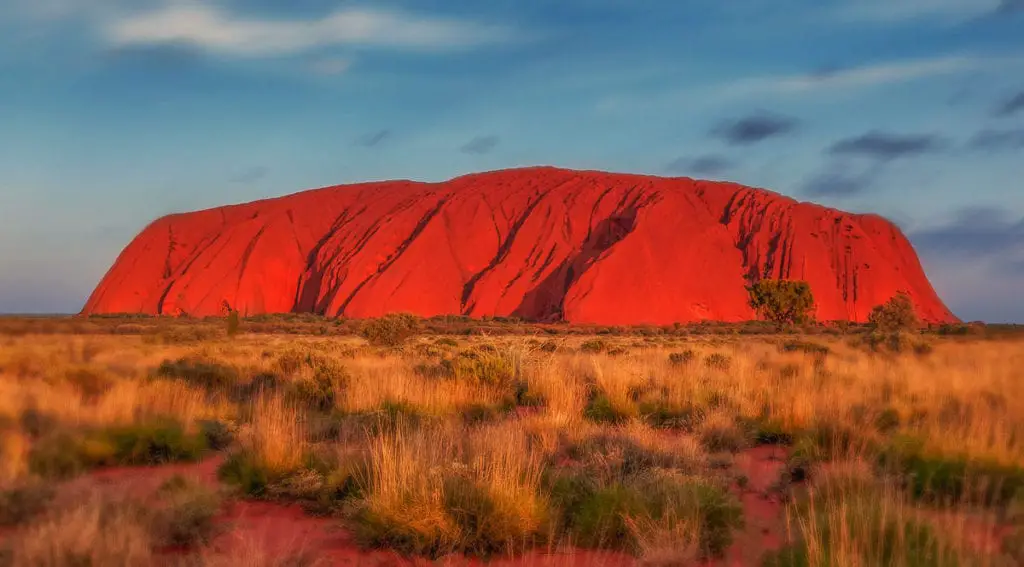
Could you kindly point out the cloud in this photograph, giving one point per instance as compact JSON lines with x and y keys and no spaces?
{"x":251,"y":175}
{"x":330,"y":66}
{"x":1010,"y":6}
{"x":859,"y":77}
{"x":372,"y":139}
{"x":1012,"y":106}
{"x":219,"y":31}
{"x":996,"y":140}
{"x":754,"y":128}
{"x":973,"y":232}
{"x":884,"y":146}
{"x":840,"y":182}
{"x":166,"y":57}
{"x":481,"y":145}
{"x":709,"y":165}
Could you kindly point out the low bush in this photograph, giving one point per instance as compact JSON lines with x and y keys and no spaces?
{"x":485,"y":367}
{"x":863,"y":525}
{"x":600,"y":409}
{"x":22,"y":503}
{"x":242,"y":470}
{"x":90,"y":382}
{"x":659,"y":413}
{"x":949,"y":479}
{"x":153,"y":443}
{"x":815,"y":349}
{"x":390,"y":330}
{"x":201,"y":372}
{"x":718,"y":361}
{"x":603,"y":516}
{"x":185,"y":514}
{"x":682,"y":358}
{"x":65,"y":454}
{"x":490,"y":525}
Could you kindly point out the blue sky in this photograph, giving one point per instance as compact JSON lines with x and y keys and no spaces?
{"x":114,"y":112}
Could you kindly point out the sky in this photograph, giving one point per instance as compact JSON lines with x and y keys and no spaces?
{"x":116,"y":112}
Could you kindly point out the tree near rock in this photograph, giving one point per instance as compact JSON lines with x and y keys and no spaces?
{"x":895,"y":316}
{"x":783,"y":302}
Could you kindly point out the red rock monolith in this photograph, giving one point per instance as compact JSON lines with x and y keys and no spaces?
{"x":538,"y":243}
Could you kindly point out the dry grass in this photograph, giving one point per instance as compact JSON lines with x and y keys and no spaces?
{"x":98,"y":532}
{"x":277,"y":437}
{"x":432,"y":481}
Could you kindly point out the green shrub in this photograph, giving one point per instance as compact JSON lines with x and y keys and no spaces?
{"x":887,"y":420}
{"x":242,"y":470}
{"x":319,"y":392}
{"x":613,"y":456}
{"x":593,"y":346}
{"x":682,"y":358}
{"x":815,"y":349}
{"x":601,"y":515}
{"x":90,"y":382}
{"x":549,"y":346}
{"x":57,"y":456}
{"x":601,"y":410}
{"x":782,"y":302}
{"x":770,"y":432}
{"x":894,"y":316}
{"x":857,"y":524}
{"x":718,"y":361}
{"x":153,"y":443}
{"x":487,"y":527}
{"x":480,"y":413}
{"x":950,"y":479}
{"x":525,"y":397}
{"x":185,"y":515}
{"x":65,"y":454}
{"x":390,"y":330}
{"x":728,"y":437}
{"x":485,"y":367}
{"x":217,"y":434}
{"x":200,"y":372}
{"x":659,"y":413}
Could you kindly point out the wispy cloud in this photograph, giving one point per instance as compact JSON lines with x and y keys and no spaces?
{"x":374,"y":138}
{"x":709,"y":165}
{"x":839,"y":181}
{"x":217,"y":30}
{"x":996,"y":140}
{"x":251,"y":175}
{"x":973,"y":232}
{"x":1012,"y":106}
{"x":1008,"y":6}
{"x":330,"y":66}
{"x":754,"y":128}
{"x":858,"y":77}
{"x":481,"y":145}
{"x":885,"y":146}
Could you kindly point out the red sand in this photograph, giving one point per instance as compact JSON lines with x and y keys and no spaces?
{"x":538,"y":243}
{"x":764,"y":525}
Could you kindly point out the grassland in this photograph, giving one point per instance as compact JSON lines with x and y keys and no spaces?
{"x":503,"y":440}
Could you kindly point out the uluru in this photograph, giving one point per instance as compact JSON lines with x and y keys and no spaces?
{"x":540,"y":243}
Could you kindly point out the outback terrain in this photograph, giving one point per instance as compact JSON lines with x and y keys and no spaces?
{"x":295,"y":440}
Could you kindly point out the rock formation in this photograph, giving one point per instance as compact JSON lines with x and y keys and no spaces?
{"x":538,"y":243}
